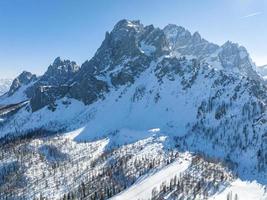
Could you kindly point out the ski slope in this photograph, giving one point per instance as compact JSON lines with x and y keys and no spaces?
{"x":142,"y":189}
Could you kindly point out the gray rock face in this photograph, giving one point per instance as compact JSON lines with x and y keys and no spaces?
{"x":127,"y":40}
{"x":183,"y":43}
{"x":47,"y":95}
{"x":124,"y":54}
{"x":229,"y":56}
{"x":23,"y":79}
{"x":236,"y":58}
{"x":88,"y":90}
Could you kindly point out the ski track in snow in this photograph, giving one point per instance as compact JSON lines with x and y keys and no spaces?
{"x":143,"y":189}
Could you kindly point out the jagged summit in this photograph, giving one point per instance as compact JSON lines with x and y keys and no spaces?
{"x":175,"y":30}
{"x":23,"y":79}
{"x":229,"y":56}
{"x":57,"y":61}
{"x":179,"y":37}
{"x":131,"y":39}
{"x":64,"y":64}
{"x":128,"y":24}
{"x":236,"y":58}
{"x":233,"y":47}
{"x":60,"y":72}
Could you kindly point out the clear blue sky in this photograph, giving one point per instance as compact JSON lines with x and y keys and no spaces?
{"x":34,"y":32}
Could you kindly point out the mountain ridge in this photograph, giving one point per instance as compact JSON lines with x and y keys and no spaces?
{"x":142,"y":42}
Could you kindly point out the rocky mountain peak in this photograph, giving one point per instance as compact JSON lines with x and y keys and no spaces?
{"x":66,"y":65}
{"x":25,"y":76}
{"x":237,"y":59}
{"x":23,"y":79}
{"x":124,"y":30}
{"x":176,"y":35}
{"x":128,"y":25}
{"x":197,"y":37}
{"x":230,"y":56}
{"x":183,"y":43}
{"x":128,"y":40}
{"x":60,"y":72}
{"x":53,"y":84}
{"x":232,"y":48}
{"x":262,"y":70}
{"x":235,"y":49}
{"x":57,"y":61}
{"x":175,"y":30}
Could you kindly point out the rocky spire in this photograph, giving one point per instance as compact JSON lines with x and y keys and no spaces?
{"x":60,"y":72}
{"x":23,"y":79}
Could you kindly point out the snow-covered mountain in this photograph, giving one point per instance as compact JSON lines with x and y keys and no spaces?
{"x":4,"y":85}
{"x":153,"y":109}
{"x":262,"y":70}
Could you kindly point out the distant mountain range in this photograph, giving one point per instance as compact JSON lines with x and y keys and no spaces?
{"x":5,"y":85}
{"x":156,"y":113}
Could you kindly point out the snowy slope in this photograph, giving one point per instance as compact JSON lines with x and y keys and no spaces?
{"x":242,"y":190}
{"x":147,"y":166}
{"x":143,"y":189}
{"x":48,"y":151}
{"x":183,"y":106}
{"x":73,"y":163}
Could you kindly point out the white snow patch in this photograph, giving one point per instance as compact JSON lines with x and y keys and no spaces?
{"x":244,"y":190}
{"x":147,"y":49}
{"x":154,"y":130}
